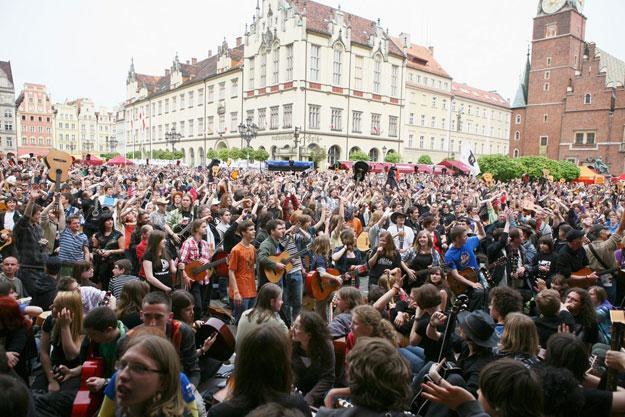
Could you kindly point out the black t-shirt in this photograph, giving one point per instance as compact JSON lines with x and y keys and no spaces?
{"x":232,"y":409}
{"x":431,"y":347}
{"x":160,"y":270}
{"x":597,"y":403}
{"x":382,"y":264}
{"x":57,"y":355}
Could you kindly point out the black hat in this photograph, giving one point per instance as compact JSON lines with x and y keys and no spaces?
{"x":574,"y":234}
{"x":594,"y":231}
{"x":397,"y":214}
{"x":479,"y":327}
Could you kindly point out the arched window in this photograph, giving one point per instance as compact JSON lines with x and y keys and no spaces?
{"x":334,"y":154}
{"x":588,"y":98}
{"x":374,"y":154}
{"x":515,"y":153}
{"x":517,"y":135}
{"x":377,"y":73}
{"x":337,"y":65}
{"x":518,"y":119}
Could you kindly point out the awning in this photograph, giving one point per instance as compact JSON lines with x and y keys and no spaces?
{"x":456,"y":165}
{"x":119,"y":160}
{"x":589,"y":176}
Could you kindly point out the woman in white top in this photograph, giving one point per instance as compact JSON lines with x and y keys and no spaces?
{"x":264,"y":312}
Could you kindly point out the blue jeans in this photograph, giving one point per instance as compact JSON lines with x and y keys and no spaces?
{"x":237,"y":310}
{"x":415,"y":356}
{"x":292,"y":294}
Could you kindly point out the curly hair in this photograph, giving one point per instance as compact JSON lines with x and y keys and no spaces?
{"x":565,"y":350}
{"x":506,"y":300}
{"x":312,"y":324}
{"x":379,"y":377}
{"x":370,"y":316}
{"x":586,"y":316}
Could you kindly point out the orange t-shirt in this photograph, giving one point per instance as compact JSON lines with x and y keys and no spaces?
{"x":356,"y":225}
{"x":242,"y":261}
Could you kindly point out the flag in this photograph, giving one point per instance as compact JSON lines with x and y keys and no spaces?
{"x":469,"y":159}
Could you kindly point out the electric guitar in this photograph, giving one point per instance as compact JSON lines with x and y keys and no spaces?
{"x":284,"y":258}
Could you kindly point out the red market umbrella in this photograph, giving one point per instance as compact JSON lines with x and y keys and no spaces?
{"x":120,"y":161}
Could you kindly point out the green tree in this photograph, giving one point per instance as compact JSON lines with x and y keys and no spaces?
{"x":358,"y":156}
{"x":211,"y":154}
{"x":260,"y":155}
{"x":502,"y":167}
{"x":223,"y":154}
{"x":236,"y":153}
{"x":318,"y":154}
{"x":392,"y":157}
{"x":425,"y":159}
{"x":133,"y":155}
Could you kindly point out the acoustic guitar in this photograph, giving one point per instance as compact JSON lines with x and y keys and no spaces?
{"x":86,"y":403}
{"x":198,"y":271}
{"x":9,"y":238}
{"x":587,"y":283}
{"x":470,"y":274}
{"x":284,"y":258}
{"x":59,"y":164}
{"x":224,"y":345}
{"x":616,"y":343}
{"x":362,"y":243}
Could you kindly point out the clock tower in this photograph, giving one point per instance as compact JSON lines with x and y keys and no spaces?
{"x":557,"y":50}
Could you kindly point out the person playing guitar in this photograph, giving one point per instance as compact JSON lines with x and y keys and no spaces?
{"x":460,"y":256}
{"x":193,"y":249}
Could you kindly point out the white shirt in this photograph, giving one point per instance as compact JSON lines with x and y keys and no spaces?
{"x":9,"y":224}
{"x":401,"y":243}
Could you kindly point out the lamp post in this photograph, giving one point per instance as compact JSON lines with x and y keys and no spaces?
{"x":173,"y":137}
{"x":248,"y":132}
{"x":298,"y":149}
{"x":384,"y":149}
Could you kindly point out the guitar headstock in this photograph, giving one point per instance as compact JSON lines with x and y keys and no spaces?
{"x":460,"y":303}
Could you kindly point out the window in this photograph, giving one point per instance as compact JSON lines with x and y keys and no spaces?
{"x":543,"y":141}
{"x":434,"y":102}
{"x":518,"y":119}
{"x":394,"y":80}
{"x":314,"y":116}
{"x":358,"y":71}
{"x":410,"y":140}
{"x":160,"y":132}
{"x":547,"y":75}
{"x":160,"y":110}
{"x":517,"y":135}
{"x":263,"y":70}
{"x":234,"y":121}
{"x":9,"y":142}
{"x":182,"y":101}
{"x":211,"y":93}
{"x":191,"y":128}
{"x":173,"y":104}
{"x":375,"y":124}
{"x":222,"y":122}
{"x":315,"y":57}
{"x":182,"y":127}
{"x":551,"y":30}
{"x":337,"y":65}
{"x":222,"y":90}
{"x":433,"y":122}
{"x":287,"y":116}
{"x":210,"y":124}
{"x":336,"y":121}
{"x":8,"y":126}
{"x":392,"y":126}
{"x":200,"y":126}
{"x":411,"y":119}
{"x":423,"y":120}
{"x":234,"y":88}
{"x":191,"y":99}
{"x":443,"y":123}
{"x":356,"y":121}
{"x":432,"y":142}
{"x":545,"y":117}
{"x":444,"y":106}
{"x":251,"y":74}
{"x":442,"y":143}
{"x":200,"y":97}
{"x":166,"y":105}
{"x":289,"y":62}
{"x":421,"y":142}
{"x":546,"y":87}
{"x":377,"y":73}
{"x":274,"y":117}
{"x":275,"y":68}
{"x":515,"y":153}
{"x":587,"y":98}
{"x":262,"y":119}
{"x":250,"y":115}
{"x":548,"y":60}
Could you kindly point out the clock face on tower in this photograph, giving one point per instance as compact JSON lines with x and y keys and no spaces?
{"x":552,"y":6}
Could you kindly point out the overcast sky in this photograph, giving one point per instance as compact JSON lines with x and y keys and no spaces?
{"x":82,"y":48}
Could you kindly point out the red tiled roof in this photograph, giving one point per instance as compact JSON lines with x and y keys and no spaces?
{"x":318,"y":15}
{"x":421,"y":58}
{"x":6,"y":68}
{"x":466,"y":91}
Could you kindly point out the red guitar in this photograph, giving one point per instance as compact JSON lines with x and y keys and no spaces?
{"x":86,"y":403}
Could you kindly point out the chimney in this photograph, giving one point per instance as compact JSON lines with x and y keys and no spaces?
{"x":166,"y":71}
{"x":431,"y":48}
{"x":210,"y":52}
{"x":239,"y":40}
{"x":193,"y":61}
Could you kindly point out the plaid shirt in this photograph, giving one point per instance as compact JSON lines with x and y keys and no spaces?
{"x":192,"y":250}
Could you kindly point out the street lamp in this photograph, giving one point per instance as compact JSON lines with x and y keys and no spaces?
{"x":248,"y":132}
{"x":296,"y":133}
{"x":173,"y":137}
{"x":384,"y":149}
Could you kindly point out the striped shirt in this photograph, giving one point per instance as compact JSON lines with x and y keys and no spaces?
{"x":71,"y":246}
{"x":117,"y":283}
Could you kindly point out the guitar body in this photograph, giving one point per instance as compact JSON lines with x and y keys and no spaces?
{"x":224,"y":345}
{"x":362,"y":243}
{"x":458,"y":287}
{"x":86,"y":403}
{"x":59,"y":164}
{"x":222,"y":268}
{"x":283,"y":258}
{"x":587,"y":283}
{"x":322,"y":288}
{"x":198,"y":271}
{"x":9,"y":240}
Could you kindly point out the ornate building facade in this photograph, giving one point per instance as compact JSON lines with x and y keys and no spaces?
{"x":8,"y":125}
{"x":35,"y":127}
{"x":570,"y":104}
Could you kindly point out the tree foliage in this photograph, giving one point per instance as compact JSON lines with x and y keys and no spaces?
{"x":260,"y":155}
{"x":392,"y":157}
{"x":223,"y":154}
{"x":505,"y":168}
{"x":425,"y":159}
{"x":211,"y":154}
{"x":318,"y":154}
{"x":358,"y":156}
{"x":133,"y":155}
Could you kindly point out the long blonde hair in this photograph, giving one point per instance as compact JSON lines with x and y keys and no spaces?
{"x":519,"y":335}
{"x":163,"y":352}
{"x":70,"y":300}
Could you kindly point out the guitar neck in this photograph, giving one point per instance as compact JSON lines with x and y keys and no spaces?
{"x":211,"y":264}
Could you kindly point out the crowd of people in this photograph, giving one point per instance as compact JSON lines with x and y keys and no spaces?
{"x":375,"y":295}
